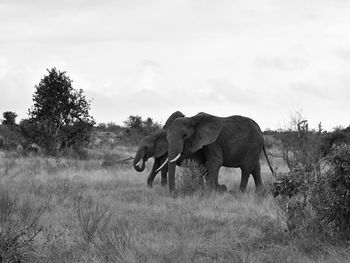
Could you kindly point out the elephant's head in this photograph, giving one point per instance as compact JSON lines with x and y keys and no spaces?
{"x":154,"y":145}
{"x":172,"y":117}
{"x":187,"y":135}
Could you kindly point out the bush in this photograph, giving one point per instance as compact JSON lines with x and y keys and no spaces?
{"x":292,"y":183}
{"x":11,"y":137}
{"x":301,"y":153}
{"x":330,"y":194}
{"x":9,"y":118}
{"x":137,"y":128}
{"x":191,"y":179}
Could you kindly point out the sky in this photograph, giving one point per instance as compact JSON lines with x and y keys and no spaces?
{"x":265,"y":59}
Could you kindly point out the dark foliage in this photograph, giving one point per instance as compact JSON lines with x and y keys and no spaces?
{"x":137,"y":128}
{"x":60,"y":116}
{"x":145,"y":127}
{"x":291,"y":184}
{"x":192,"y":178}
{"x":330,"y":195}
{"x":9,"y":118}
{"x":11,"y":137}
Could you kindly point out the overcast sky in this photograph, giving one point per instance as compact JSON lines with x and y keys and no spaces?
{"x":265,"y":59}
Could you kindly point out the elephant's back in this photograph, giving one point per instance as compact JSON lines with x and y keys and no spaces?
{"x":243,"y":130}
{"x":243,"y":141}
{"x":242,"y":122}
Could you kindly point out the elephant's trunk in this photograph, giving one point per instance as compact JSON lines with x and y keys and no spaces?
{"x":139,"y":163}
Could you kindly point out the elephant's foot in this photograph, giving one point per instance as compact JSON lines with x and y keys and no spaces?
{"x":163,"y":182}
{"x":260,"y":190}
{"x":222,"y":188}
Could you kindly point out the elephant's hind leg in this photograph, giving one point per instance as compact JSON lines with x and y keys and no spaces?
{"x":244,"y":180}
{"x":257,"y":178}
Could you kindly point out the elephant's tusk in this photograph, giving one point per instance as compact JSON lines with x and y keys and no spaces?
{"x":139,"y":164}
{"x":176,"y":158}
{"x":162,"y":165}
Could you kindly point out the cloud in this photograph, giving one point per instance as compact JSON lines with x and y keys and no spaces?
{"x":155,"y":57}
{"x":344,"y":54}
{"x":223,"y":90}
{"x":146,"y":76}
{"x":282,"y":63}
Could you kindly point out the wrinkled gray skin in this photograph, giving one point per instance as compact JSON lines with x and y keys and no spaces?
{"x":156,"y":145}
{"x":234,"y":141}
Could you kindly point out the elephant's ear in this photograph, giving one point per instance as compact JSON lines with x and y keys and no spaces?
{"x":161,"y":145}
{"x":172,"y":117}
{"x":207,"y":129}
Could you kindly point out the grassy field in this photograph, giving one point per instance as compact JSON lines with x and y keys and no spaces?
{"x":91,"y":212}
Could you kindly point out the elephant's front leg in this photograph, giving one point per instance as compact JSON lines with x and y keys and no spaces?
{"x":214,"y":161}
{"x":164,"y":173}
{"x":213,"y":176}
{"x":153,"y":173}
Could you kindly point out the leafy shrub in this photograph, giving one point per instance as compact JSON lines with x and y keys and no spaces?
{"x":9,"y":118}
{"x":191,"y":179}
{"x":301,"y":153}
{"x":330,"y":195}
{"x":292,"y":183}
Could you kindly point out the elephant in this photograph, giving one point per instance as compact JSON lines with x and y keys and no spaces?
{"x":234,"y":141}
{"x":156,"y":145}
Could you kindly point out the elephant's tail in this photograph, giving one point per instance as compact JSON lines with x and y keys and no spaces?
{"x":268,"y":161}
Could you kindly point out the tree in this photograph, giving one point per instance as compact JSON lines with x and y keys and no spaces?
{"x":134,"y":123}
{"x":60,"y":116}
{"x":143,"y":127}
{"x":9,"y":118}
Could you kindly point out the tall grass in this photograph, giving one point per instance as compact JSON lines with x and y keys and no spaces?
{"x":99,"y":214}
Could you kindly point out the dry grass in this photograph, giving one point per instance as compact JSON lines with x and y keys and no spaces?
{"x":96,"y":214}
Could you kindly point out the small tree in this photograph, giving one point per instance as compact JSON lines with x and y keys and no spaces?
{"x":60,"y":116}
{"x":134,"y":123}
{"x":9,"y":118}
{"x":137,"y":127}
